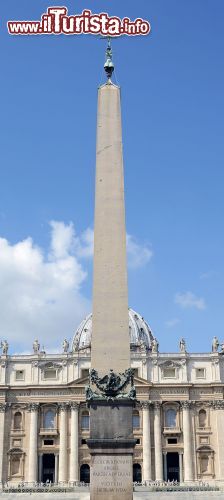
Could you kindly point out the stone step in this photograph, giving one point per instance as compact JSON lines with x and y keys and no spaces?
{"x":140,"y":495}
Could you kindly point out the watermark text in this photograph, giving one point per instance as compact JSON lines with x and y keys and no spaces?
{"x":56,"y":21}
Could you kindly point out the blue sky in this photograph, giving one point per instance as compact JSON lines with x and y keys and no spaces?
{"x":173,"y":106}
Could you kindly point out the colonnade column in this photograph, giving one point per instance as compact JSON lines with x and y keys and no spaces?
{"x":2,"y":431}
{"x":158,"y":442}
{"x":147,"y":461}
{"x":63,"y":451}
{"x":181,"y":467}
{"x":188,"y":465}
{"x":32,"y":463}
{"x":74,"y":445}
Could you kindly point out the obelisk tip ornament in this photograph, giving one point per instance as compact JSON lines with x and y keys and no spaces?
{"x":109,"y":65}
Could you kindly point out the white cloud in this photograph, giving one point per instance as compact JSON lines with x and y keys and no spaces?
{"x":62,"y":239}
{"x":65,"y":240}
{"x":171,"y":323}
{"x":189,"y":300}
{"x":40,"y":296}
{"x":84,"y":245}
{"x":138,"y":255}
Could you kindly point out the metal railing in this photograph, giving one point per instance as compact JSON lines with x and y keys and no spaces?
{"x":171,"y":486}
{"x":153,"y":486}
{"x":48,"y":487}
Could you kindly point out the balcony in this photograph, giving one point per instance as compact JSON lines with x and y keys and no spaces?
{"x":17,"y":432}
{"x":171,"y":430}
{"x":48,"y":431}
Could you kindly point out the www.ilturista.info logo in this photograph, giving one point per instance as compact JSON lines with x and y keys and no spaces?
{"x":56,"y":22}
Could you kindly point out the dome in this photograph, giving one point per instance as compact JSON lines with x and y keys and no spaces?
{"x":140,"y":333}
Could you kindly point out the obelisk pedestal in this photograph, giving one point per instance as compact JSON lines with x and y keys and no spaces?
{"x":111,"y":393}
{"x":111,"y":446}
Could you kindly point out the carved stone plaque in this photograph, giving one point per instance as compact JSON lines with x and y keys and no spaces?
{"x":111,"y":477}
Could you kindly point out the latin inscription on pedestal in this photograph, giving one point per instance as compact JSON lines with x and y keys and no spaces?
{"x":111,"y":476}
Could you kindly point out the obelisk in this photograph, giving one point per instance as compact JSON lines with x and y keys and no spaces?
{"x":111,"y":440}
{"x":110,"y":336}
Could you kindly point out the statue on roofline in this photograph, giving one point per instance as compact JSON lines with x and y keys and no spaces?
{"x":155,"y":345}
{"x":5,"y":347}
{"x":182,"y":345}
{"x":215,"y":344}
{"x":65,"y":346}
{"x":36,"y":347}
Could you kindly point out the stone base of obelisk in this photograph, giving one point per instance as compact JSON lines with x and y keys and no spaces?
{"x":111,"y":446}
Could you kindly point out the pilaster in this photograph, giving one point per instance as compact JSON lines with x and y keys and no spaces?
{"x":181,"y":467}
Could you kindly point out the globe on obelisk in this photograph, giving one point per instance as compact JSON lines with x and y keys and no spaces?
{"x":111,"y":393}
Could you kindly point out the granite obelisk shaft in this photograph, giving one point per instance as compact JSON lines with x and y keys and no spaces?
{"x":110,"y":335}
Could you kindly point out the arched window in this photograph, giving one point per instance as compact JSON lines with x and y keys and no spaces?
{"x":18,"y":420}
{"x":15,"y":465}
{"x":171,"y":418}
{"x":84,"y":473}
{"x":137,"y":473}
{"x":202,"y":418}
{"x":85,"y":420}
{"x":136,"y":420}
{"x":49,"y":419}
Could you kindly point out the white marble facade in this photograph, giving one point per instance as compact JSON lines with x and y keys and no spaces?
{"x":177,"y":422}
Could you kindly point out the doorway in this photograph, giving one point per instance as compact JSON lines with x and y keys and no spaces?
{"x":48,"y":468}
{"x":137,"y":473}
{"x":173,"y":466}
{"x":85,"y":473}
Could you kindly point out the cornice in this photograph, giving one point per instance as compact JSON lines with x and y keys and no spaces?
{"x":139,"y":384}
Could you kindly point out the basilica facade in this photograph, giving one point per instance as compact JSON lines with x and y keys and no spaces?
{"x":177,"y":420}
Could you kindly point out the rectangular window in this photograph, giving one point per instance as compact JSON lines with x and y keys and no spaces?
{"x":204,"y":440}
{"x":20,"y":375}
{"x":172,"y":441}
{"x":48,"y":442}
{"x":17,"y":443}
{"x":200,"y":372}
{"x":84,"y":372}
{"x":169,"y":372}
{"x":50,"y":374}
